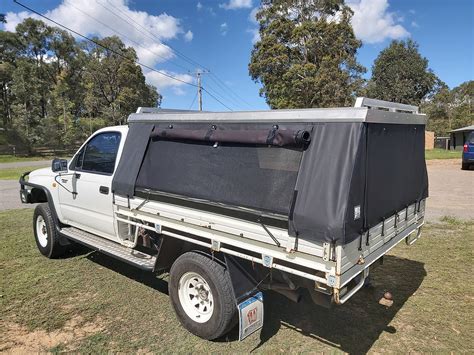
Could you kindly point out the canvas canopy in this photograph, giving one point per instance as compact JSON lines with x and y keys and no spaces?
{"x":322,"y":179}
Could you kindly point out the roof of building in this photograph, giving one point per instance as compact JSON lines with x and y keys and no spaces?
{"x":464,"y":129}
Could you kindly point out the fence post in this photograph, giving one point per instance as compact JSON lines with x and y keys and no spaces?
{"x":14,"y":151}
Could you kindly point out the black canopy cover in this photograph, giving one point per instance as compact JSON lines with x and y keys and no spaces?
{"x":324,"y":181}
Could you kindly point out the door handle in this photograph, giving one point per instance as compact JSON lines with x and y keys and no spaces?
{"x":104,"y":190}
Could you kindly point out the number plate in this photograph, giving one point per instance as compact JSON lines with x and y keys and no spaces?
{"x":250,"y":315}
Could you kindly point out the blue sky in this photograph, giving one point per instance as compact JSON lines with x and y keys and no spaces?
{"x":219,"y":35}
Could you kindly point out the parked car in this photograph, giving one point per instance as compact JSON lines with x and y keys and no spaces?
{"x":468,"y":152}
{"x":234,"y":203}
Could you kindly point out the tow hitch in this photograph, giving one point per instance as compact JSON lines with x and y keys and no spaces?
{"x":387,"y":299}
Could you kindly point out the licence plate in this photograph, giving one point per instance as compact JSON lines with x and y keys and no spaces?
{"x":250,"y":315}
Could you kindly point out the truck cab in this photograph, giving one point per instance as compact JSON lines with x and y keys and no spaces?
{"x":81,"y":194}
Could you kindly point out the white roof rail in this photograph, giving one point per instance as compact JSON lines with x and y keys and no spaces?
{"x":385,"y":105}
{"x":162,"y":110}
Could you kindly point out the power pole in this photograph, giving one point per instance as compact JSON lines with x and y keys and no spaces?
{"x":199,"y":90}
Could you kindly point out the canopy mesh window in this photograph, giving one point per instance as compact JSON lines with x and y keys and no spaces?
{"x":257,"y":177}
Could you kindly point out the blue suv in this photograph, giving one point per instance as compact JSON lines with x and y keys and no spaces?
{"x":468,"y":152}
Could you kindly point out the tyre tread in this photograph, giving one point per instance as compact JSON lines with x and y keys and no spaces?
{"x":221,"y":280}
{"x":55,"y":249}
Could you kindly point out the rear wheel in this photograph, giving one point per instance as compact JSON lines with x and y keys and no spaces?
{"x":465,"y":166}
{"x":201,"y":294}
{"x":46,"y":235}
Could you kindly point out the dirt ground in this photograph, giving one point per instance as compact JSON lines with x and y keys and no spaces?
{"x":451,"y":190}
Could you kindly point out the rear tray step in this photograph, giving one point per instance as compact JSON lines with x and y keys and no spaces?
{"x":131,"y":256}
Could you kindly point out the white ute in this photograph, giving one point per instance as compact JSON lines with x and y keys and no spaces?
{"x":221,"y":244}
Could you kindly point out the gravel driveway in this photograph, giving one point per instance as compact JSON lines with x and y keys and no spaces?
{"x":451,"y":190}
{"x":21,"y":164}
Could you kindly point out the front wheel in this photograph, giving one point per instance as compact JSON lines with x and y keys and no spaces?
{"x":46,"y":235}
{"x":201,"y":294}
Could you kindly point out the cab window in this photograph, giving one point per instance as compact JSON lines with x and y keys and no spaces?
{"x":99,"y":154}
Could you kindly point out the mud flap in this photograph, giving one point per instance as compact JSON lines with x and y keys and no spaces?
{"x":248,"y":299}
{"x":250,"y":315}
{"x":243,"y":278}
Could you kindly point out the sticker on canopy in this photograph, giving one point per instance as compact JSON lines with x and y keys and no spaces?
{"x":356,"y":212}
{"x":250,"y":315}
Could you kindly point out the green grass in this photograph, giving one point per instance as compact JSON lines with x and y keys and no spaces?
{"x":15,"y":173}
{"x":442,"y":154}
{"x":91,"y":303}
{"x":14,"y":159}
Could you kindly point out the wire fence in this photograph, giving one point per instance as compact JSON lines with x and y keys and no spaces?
{"x":36,"y":151}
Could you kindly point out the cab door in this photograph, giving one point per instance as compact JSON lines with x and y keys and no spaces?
{"x":86,"y":200}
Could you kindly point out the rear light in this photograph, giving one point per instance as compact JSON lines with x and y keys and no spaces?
{"x":465,"y":148}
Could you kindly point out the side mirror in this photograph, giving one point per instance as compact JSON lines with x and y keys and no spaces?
{"x":59,"y":165}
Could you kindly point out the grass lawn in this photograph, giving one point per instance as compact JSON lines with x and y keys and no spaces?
{"x":15,"y":173}
{"x":442,"y":154}
{"x":88,"y":302}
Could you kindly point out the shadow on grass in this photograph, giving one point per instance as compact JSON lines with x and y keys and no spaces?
{"x":352,"y":327}
{"x":356,"y":325}
{"x":147,"y":278}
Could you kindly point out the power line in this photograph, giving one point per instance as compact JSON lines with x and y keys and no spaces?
{"x":229,"y":89}
{"x":222,"y":84}
{"x":223,"y":92}
{"x":118,"y":53}
{"x":103,"y":46}
{"x":124,"y":36}
{"x":142,"y":32}
{"x":215,"y":98}
{"x":219,"y":95}
{"x":120,"y":33}
{"x":194,"y":100}
{"x":178,"y":53}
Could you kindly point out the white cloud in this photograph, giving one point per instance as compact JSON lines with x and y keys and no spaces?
{"x":200,"y":7}
{"x":414,"y":24}
{"x":137,"y":29}
{"x":224,"y":27}
{"x":253,"y":15}
{"x":254,"y":31}
{"x":255,"y":34}
{"x":14,"y":18}
{"x":163,"y":82}
{"x":188,"y":36}
{"x":237,"y":4}
{"x":373,"y":23}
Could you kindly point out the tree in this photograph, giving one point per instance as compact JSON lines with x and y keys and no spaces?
{"x":115,"y":83}
{"x":401,"y":74}
{"x":450,"y":109}
{"x":11,"y":47}
{"x":50,"y":83}
{"x":306,"y":54}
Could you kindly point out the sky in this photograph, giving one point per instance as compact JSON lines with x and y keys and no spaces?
{"x":180,"y":37}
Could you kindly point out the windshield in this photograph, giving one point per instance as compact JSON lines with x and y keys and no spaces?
{"x":470,"y":138}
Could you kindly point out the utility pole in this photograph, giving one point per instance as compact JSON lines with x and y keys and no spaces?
{"x":199,"y":90}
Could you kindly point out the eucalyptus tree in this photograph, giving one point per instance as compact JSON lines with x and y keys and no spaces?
{"x":306,"y":55}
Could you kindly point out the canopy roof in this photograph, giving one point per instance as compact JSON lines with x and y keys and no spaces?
{"x":464,"y":129}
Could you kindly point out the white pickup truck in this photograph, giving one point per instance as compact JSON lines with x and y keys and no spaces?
{"x":235,"y":203}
